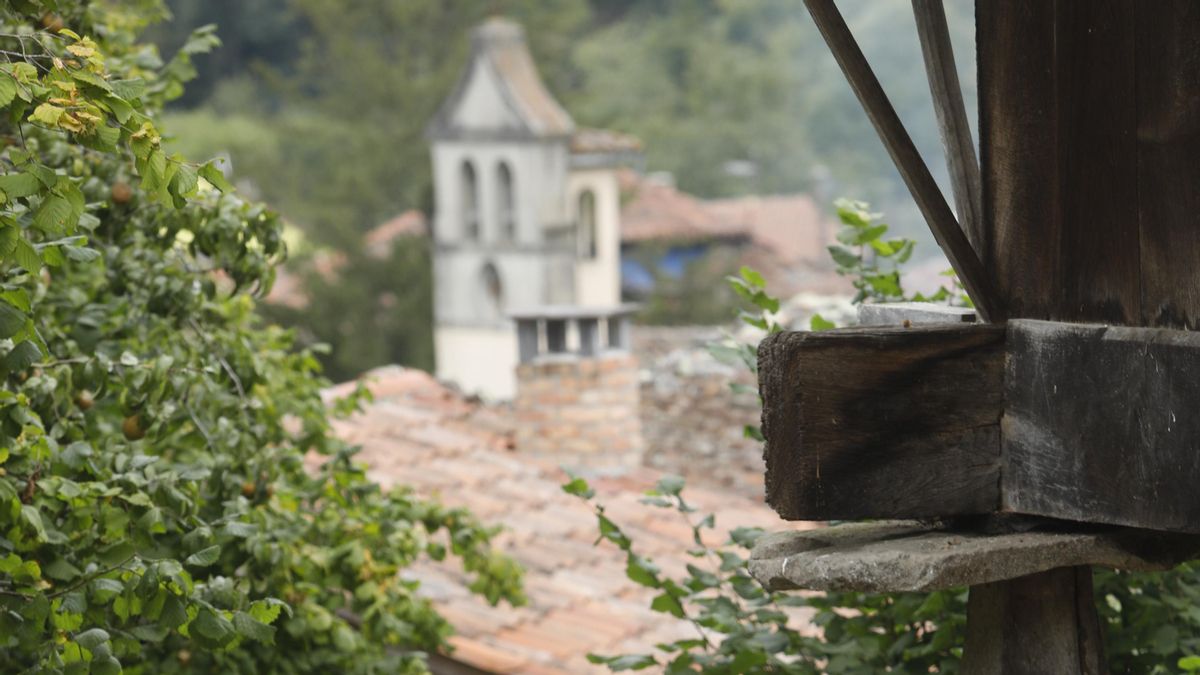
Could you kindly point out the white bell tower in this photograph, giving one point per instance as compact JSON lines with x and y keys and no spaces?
{"x":508,"y":206}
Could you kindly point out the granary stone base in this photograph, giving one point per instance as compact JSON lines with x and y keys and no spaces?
{"x":581,"y":411}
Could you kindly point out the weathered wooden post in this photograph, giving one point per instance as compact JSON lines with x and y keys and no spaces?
{"x":1060,"y":432}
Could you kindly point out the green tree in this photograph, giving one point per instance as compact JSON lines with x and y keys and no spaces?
{"x":371,"y":311}
{"x":156,"y":514}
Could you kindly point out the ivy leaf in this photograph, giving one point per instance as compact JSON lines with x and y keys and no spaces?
{"x":204,"y":557}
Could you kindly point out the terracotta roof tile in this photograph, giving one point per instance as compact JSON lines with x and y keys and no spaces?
{"x":419,"y":433}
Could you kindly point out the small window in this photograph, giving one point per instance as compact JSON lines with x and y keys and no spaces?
{"x":493,"y":290}
{"x":470,"y":202}
{"x":506,"y":208}
{"x":587,"y":225}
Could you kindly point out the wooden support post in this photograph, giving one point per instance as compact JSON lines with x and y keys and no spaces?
{"x":965,"y":181}
{"x":904,"y":154}
{"x":1041,"y":623}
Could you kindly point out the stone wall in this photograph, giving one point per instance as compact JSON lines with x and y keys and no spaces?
{"x":580,"y":411}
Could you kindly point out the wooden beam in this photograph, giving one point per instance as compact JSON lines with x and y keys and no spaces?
{"x":907,"y":159}
{"x":883,"y":422}
{"x":1080,"y":422}
{"x":965,"y":181}
{"x":1100,"y":424}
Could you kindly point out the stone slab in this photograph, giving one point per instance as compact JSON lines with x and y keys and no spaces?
{"x":896,"y":313}
{"x":898,"y":556}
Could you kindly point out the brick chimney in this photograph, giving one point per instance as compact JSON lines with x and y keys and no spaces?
{"x":577,"y":388}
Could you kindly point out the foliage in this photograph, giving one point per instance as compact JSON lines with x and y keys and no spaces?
{"x":156,"y":514}
{"x":1150,"y":620}
{"x":694,"y":297}
{"x":872,"y":262}
{"x":371,"y":310}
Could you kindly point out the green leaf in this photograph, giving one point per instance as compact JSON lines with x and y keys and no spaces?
{"x":8,"y":89}
{"x":625,"y":662}
{"x":212,"y":625}
{"x":670,"y":485}
{"x":248,"y":626}
{"x":20,"y":184}
{"x":752,"y":277}
{"x":129,"y":90}
{"x":27,"y":257}
{"x":90,"y":639}
{"x":174,"y":614}
{"x":578,"y":487}
{"x":819,"y":323}
{"x":667,"y":604}
{"x":47,"y":114}
{"x":215,"y":177}
{"x":844,"y":257}
{"x":642,"y":571}
{"x":12,"y":320}
{"x":1189,"y":664}
{"x":204,"y":557}
{"x":56,"y":216}
{"x":80,"y":253}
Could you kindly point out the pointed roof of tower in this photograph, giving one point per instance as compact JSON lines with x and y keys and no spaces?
{"x":500,"y":91}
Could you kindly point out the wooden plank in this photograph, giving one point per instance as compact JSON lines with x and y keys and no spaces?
{"x":963,"y":167}
{"x":882,"y":422}
{"x":1097,"y":164}
{"x":1041,"y":623}
{"x":1017,"y":146}
{"x":1168,"y":145}
{"x":1100,"y":424}
{"x":907,"y":159}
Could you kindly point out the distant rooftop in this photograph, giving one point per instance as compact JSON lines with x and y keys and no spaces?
{"x":422,"y":434}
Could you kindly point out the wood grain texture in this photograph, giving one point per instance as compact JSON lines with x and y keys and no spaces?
{"x":1018,"y":137}
{"x":1097,"y":164}
{"x":1037,"y":624}
{"x":1168,"y":147}
{"x":882,"y":422}
{"x":951,"y":112}
{"x":1100,"y":424}
{"x":924,"y":189}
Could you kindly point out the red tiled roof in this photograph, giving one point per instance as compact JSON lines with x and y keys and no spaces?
{"x":791,"y":226}
{"x":422,"y":434}
{"x":378,"y":241}
{"x":657,"y":211}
